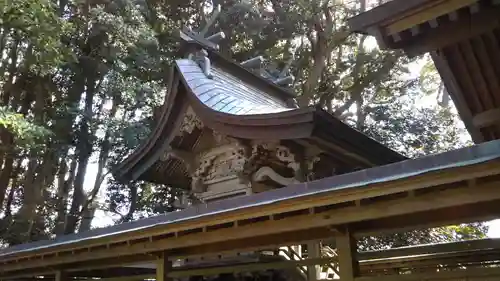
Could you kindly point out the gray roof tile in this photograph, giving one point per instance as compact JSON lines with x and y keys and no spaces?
{"x":226,"y":93}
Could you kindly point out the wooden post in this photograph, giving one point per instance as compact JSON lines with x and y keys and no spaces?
{"x":163,"y":267}
{"x":347,"y":248}
{"x":314,"y":251}
{"x":61,"y":276}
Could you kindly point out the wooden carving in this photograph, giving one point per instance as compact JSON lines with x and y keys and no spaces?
{"x":190,"y":122}
{"x":225,"y":162}
{"x":268,"y":173}
{"x":284,"y":154}
{"x":310,"y":163}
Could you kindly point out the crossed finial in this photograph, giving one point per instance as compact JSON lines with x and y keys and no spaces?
{"x":280,"y":78}
{"x":256,"y":64}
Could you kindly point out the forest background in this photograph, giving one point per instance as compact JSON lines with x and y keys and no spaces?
{"x":80,"y":80}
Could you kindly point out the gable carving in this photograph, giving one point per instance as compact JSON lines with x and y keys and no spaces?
{"x":190,"y":122}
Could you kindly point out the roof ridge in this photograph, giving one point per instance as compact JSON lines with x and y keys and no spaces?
{"x":206,"y":49}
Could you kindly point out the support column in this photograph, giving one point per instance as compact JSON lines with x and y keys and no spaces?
{"x":314,"y":251}
{"x":163,"y":267}
{"x":347,"y":249}
{"x":61,"y":276}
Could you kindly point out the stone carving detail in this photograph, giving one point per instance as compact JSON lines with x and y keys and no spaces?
{"x":190,"y":122}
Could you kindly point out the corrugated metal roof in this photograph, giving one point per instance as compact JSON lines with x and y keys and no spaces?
{"x":458,"y":158}
{"x":226,"y":93}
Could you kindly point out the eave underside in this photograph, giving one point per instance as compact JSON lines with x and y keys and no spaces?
{"x":463,"y":37}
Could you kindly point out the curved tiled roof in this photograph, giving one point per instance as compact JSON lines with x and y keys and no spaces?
{"x":224,"y":92}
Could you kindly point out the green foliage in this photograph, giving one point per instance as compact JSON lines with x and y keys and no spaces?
{"x":38,"y":21}
{"x":25,"y":132}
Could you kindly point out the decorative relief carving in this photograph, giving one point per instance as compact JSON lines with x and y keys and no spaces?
{"x":223,"y":162}
{"x":233,"y":166}
{"x":268,"y":173}
{"x":190,"y":122}
{"x":284,"y":154}
{"x":221,"y":139}
{"x":310,"y":163}
{"x":226,"y":161}
{"x":259,"y":155}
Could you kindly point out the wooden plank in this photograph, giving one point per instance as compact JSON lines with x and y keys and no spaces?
{"x":165,"y":271}
{"x":474,"y":245}
{"x":450,"y":78}
{"x":471,"y":213}
{"x":387,"y":12}
{"x":450,"y":260}
{"x":476,"y":72}
{"x":314,"y":251}
{"x":129,"y":278}
{"x":451,"y":33}
{"x":486,"y":61}
{"x":252,"y":267}
{"x":346,"y":251}
{"x":163,"y":268}
{"x":61,"y":276}
{"x":473,"y":274}
{"x":433,"y":12}
{"x":487,"y":118}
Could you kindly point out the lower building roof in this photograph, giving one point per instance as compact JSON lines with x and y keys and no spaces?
{"x":335,"y":186}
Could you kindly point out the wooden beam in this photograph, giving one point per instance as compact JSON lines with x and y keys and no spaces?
{"x":252,"y":267}
{"x":487,"y":118}
{"x":451,"y":33}
{"x":473,"y":245}
{"x":467,"y":274}
{"x":456,"y":94}
{"x":451,"y":260}
{"x":346,"y":251}
{"x":61,"y":276}
{"x":129,"y":278}
{"x":163,"y":268}
{"x":433,"y":12}
{"x":313,"y":251}
{"x":166,"y":271}
{"x":193,"y":243}
{"x":470,"y":213}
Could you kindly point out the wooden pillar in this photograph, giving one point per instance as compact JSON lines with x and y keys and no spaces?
{"x":163,"y":267}
{"x":314,"y":251}
{"x":61,"y":276}
{"x":346,"y":250}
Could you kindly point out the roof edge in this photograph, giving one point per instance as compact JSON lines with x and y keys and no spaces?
{"x":362,"y":22}
{"x":468,"y":156}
